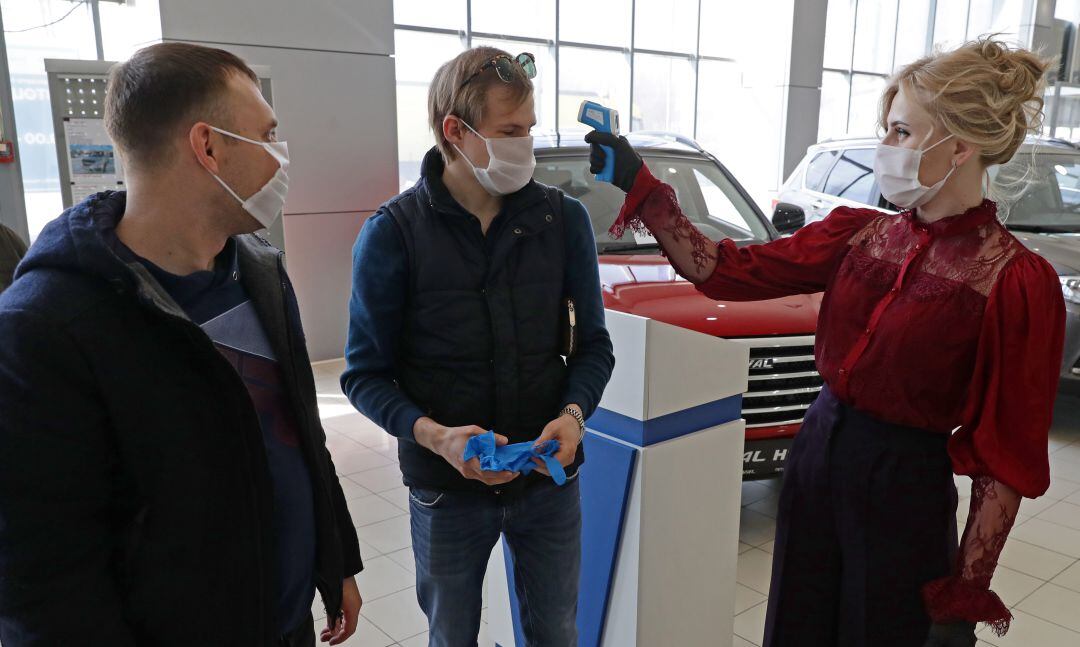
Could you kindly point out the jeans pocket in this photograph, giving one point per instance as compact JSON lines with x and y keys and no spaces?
{"x":426,"y":499}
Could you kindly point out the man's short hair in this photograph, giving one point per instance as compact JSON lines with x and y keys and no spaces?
{"x":163,"y":90}
{"x":447,"y":97}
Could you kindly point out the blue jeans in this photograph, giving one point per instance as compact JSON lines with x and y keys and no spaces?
{"x":453,"y":536}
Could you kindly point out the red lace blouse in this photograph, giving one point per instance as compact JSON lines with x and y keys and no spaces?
{"x":947,"y":326}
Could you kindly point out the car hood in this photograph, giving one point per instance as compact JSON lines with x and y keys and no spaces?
{"x":1061,"y":250}
{"x":647,"y":286}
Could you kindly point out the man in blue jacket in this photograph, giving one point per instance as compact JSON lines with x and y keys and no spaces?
{"x":164,"y":478}
{"x":468,"y":290}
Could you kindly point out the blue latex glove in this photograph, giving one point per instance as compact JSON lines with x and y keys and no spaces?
{"x":514,"y":458}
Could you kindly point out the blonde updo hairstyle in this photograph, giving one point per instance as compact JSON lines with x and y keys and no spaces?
{"x":983,"y":92}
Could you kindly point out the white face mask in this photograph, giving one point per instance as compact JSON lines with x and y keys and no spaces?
{"x":264,"y":205}
{"x":897,"y":173}
{"x":510,"y":163}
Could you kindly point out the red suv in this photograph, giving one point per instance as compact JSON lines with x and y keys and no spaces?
{"x":636,"y":279}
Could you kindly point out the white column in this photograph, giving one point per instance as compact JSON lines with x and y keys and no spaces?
{"x":1036,"y":25}
{"x":802,"y":99}
{"x":334,"y":94}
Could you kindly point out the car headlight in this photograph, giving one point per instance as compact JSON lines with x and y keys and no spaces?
{"x":1070,"y":288}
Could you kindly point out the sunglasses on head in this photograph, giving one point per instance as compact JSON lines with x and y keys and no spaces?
{"x":504,"y":67}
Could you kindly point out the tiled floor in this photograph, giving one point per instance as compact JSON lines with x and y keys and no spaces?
{"x":1039,"y":576}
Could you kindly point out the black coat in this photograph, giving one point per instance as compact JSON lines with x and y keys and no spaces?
{"x":135,"y":497}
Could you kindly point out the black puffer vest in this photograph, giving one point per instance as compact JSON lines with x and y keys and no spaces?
{"x":481,"y":338}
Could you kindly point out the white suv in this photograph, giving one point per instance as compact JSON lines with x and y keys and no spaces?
{"x":834,"y":173}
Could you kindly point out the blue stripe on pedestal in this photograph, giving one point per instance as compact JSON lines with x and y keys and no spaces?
{"x":605,"y":490}
{"x":515,"y":608}
{"x":649,"y":432}
{"x":606,"y":478}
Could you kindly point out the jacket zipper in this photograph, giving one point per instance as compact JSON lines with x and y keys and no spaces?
{"x":301,"y":412}
{"x":573,"y":326}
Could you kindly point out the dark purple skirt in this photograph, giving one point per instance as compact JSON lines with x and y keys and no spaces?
{"x":867,"y":515}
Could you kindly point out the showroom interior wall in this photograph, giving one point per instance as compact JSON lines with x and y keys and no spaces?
{"x":756,"y":97}
{"x":333,"y":86}
{"x":713,"y":70}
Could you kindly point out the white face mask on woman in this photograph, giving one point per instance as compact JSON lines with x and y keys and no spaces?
{"x":510,"y":163}
{"x":264,"y":205}
{"x":897,"y":173}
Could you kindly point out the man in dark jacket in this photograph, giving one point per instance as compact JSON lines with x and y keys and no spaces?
{"x":464,"y":288}
{"x":164,"y":478}
{"x":12,"y":249}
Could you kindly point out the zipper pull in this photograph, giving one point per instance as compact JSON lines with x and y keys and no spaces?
{"x":573,"y":317}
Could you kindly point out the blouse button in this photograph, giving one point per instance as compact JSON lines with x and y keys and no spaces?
{"x":866,"y":332}
{"x":843,"y":371}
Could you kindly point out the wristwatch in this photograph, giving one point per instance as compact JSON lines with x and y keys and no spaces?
{"x":576,"y":415}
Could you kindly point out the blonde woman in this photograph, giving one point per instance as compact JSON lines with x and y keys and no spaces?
{"x":939,"y":340}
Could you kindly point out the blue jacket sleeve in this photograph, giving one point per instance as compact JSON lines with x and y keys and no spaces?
{"x":376,"y":314}
{"x":57,"y":486}
{"x":590,"y":367}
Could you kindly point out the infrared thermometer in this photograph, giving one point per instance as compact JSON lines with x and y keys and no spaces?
{"x":606,"y":120}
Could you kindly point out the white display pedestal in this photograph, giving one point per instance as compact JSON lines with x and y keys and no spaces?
{"x":660,"y":490}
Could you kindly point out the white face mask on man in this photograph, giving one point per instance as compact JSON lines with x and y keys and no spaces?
{"x":264,"y":205}
{"x":510,"y":163}
{"x":897,"y":173}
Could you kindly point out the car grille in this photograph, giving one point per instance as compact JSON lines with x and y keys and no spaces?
{"x":784,"y":381}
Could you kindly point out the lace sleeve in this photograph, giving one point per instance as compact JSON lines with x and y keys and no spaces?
{"x":652,"y":208}
{"x":690,"y":252}
{"x":966,"y":595}
{"x":1002,"y":444}
{"x":800,"y":264}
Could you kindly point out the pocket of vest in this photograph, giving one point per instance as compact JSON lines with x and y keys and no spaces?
{"x":568,"y":326}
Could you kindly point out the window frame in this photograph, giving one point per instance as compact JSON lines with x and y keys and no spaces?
{"x":837,"y":153}
{"x":935,"y":8}
{"x":468,"y":35}
{"x":850,"y":71}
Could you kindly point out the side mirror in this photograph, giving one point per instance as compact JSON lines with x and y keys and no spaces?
{"x":788,"y":218}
